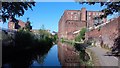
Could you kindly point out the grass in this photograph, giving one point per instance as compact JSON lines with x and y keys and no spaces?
{"x":88,"y":63}
{"x":93,"y":58}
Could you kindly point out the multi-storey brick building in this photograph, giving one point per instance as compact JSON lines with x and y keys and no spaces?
{"x":74,"y":20}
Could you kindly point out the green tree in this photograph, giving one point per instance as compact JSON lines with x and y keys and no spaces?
{"x":43,"y":27}
{"x":13,"y":9}
{"x":44,"y":33}
{"x":55,"y":37}
{"x":28,"y":26}
{"x":111,"y":7}
{"x":81,"y":35}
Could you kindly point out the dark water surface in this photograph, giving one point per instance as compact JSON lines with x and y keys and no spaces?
{"x":56,"y":55}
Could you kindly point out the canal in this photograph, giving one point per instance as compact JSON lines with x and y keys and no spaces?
{"x":51,"y":59}
{"x":57,"y":55}
{"x":60,"y":55}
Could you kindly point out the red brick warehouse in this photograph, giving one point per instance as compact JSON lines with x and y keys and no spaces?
{"x":73,"y":20}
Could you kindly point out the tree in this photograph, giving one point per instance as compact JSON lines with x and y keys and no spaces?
{"x":13,"y":9}
{"x":81,"y":35}
{"x":42,"y":27}
{"x":111,"y":7}
{"x":28,"y":25}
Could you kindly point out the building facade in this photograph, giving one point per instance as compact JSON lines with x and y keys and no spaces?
{"x":74,"y":20}
{"x":12,"y":25}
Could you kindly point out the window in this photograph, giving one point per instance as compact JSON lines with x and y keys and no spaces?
{"x":75,"y":17}
{"x":75,"y":13}
{"x":68,"y":13}
{"x":69,"y":22}
{"x":71,"y":12}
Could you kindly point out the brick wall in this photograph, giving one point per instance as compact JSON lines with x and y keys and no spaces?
{"x":106,"y":33}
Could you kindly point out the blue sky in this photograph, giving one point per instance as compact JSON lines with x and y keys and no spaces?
{"x":49,"y":13}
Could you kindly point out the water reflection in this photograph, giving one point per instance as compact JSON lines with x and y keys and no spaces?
{"x":57,"y":55}
{"x":50,"y":60}
{"x":17,"y":58}
{"x":68,"y":55}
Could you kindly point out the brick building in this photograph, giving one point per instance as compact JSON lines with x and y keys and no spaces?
{"x":12,"y":25}
{"x":74,"y":20}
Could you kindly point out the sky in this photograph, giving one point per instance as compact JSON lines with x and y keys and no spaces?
{"x":49,"y":13}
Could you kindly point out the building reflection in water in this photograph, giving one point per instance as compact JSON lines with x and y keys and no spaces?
{"x":67,"y":55}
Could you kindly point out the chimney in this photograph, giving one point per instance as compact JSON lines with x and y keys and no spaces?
{"x":83,"y":14}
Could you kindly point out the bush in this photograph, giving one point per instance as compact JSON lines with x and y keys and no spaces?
{"x":117,"y":43}
{"x":81,"y":35}
{"x":24,"y":38}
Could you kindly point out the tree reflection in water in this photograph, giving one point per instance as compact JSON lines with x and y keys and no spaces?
{"x":17,"y":58}
{"x":40,"y":59}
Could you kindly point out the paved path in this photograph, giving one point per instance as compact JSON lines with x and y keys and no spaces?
{"x":103,"y":59}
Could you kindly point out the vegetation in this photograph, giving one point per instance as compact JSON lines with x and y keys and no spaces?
{"x":85,"y":58}
{"x":94,"y":61}
{"x":25,"y":47}
{"x":43,"y":34}
{"x":81,"y":35}
{"x":55,"y":38}
{"x":28,"y":26}
{"x":116,"y":48}
{"x":13,"y":9}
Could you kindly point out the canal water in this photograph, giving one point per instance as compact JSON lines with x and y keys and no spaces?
{"x":58,"y":55}
{"x":51,"y":59}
